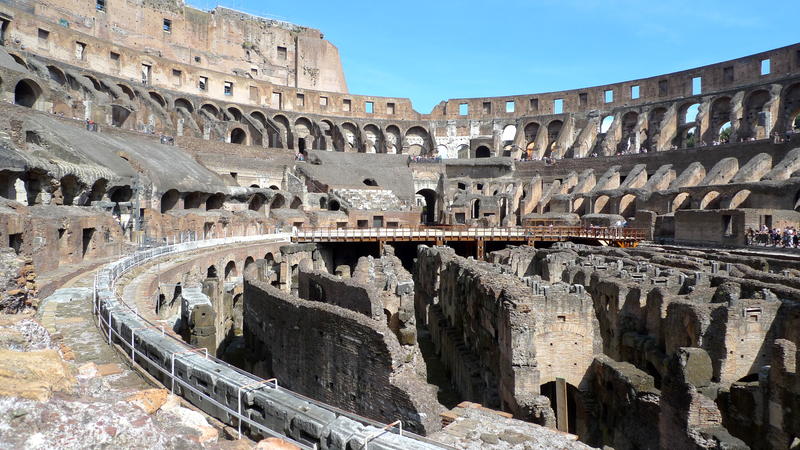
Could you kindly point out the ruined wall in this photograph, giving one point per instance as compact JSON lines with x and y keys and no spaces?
{"x":336,"y":356}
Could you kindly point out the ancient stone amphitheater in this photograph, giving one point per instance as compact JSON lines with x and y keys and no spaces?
{"x":209,"y":242}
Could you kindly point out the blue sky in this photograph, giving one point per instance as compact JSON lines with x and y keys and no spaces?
{"x":431,"y":51}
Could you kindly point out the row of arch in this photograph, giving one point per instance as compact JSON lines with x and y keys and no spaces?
{"x":171,"y":200}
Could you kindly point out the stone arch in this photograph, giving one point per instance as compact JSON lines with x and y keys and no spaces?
{"x":27,"y":93}
{"x":483,"y":152}
{"x":393,"y":139}
{"x":97,"y":86}
{"x":720,"y":113}
{"x":687,"y":113}
{"x":373,"y":139}
{"x":791,"y":106}
{"x":297,"y":203}
{"x":69,"y":187}
{"x":216,"y":201}
{"x":326,"y":129}
{"x":601,"y":205}
{"x":606,"y":123}
{"x":553,"y":131}
{"x":688,"y":137}
{"x":531,"y":132}
{"x":235,"y":113}
{"x":119,"y":115}
{"x":416,"y":141}
{"x":120,"y":194}
{"x":169,"y":200}
{"x":127,"y":90}
{"x":210,"y":109}
{"x":257,"y":203}
{"x":279,"y":201}
{"x":18,"y":59}
{"x":627,"y":206}
{"x":193,"y":200}
{"x":98,"y":190}
{"x":476,"y":208}
{"x":350,"y":137}
{"x":158,"y":98}
{"x":334,"y":205}
{"x":681,"y":201}
{"x":508,"y":135}
{"x":284,"y":131}
{"x":710,"y":200}
{"x":57,"y":75}
{"x":230,"y":271}
{"x":429,"y":206}
{"x":754,"y":120}
{"x":211,"y":272}
{"x":185,"y":104}
{"x":248,"y":261}
{"x":740,"y":200}
{"x":238,"y":136}
{"x":655,"y":119}
{"x":304,"y":131}
{"x":462,"y":151}
{"x":628,"y":139}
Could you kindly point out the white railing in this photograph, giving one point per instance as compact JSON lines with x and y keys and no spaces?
{"x":107,"y":304}
{"x":445,"y":233}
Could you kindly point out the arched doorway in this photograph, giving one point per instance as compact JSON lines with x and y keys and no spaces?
{"x":483,"y":152}
{"x":238,"y":136}
{"x":27,"y":93}
{"x":428,"y":205}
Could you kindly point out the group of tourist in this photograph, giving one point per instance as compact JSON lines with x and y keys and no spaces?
{"x":772,"y":237}
{"x":424,"y":159}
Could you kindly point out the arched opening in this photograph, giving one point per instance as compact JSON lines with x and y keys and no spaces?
{"x":98,"y":190}
{"x":605,"y":125}
{"x":654,"y":123}
{"x":601,"y":205}
{"x":416,"y":141}
{"x":279,"y":201}
{"x":18,"y":59}
{"x":121,"y":194}
{"x":428,"y":203}
{"x":119,"y":115}
{"x":754,"y":120}
{"x":158,"y":98}
{"x":304,"y":130}
{"x":284,"y":134}
{"x":230,"y":271}
{"x":256,"y":203}
{"x":370,"y":182}
{"x":128,"y":91}
{"x":483,"y":152}
{"x":69,"y":189}
{"x":791,"y":106}
{"x":57,"y":75}
{"x":323,"y":203}
{"x":349,"y":137}
{"x":689,"y":137}
{"x":710,"y":201}
{"x":688,"y":113}
{"x":297,"y":203}
{"x":739,"y":200}
{"x":393,"y":140}
{"x":372,"y":139}
{"x":531,"y":133}
{"x":507,"y":137}
{"x":249,"y":260}
{"x":720,"y":117}
{"x":627,"y":206}
{"x":235,"y":114}
{"x":629,"y":140}
{"x":476,"y":208}
{"x":27,"y":93}
{"x":185,"y":104}
{"x":724,"y":134}
{"x":210,"y":110}
{"x":193,"y":200}
{"x":553,"y":132}
{"x":238,"y":136}
{"x":275,"y":188}
{"x":681,"y":201}
{"x":215,"y":201}
{"x":169,"y":200}
{"x":211,"y":272}
{"x":334,"y":205}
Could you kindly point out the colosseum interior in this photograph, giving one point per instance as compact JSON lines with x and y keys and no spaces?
{"x":215,"y":244}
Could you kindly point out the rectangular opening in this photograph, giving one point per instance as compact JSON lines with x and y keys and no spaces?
{"x":727,"y":225}
{"x":228,"y":88}
{"x":146,"y":73}
{"x":461,"y":218}
{"x":44,"y":36}
{"x":392,"y":224}
{"x":634,"y":92}
{"x":510,"y":106}
{"x":281,"y":53}
{"x":301,"y":100}
{"x":583,"y":99}
{"x":341,"y":224}
{"x":297,"y":224}
{"x":234,"y":175}
{"x":277,"y":100}
{"x":369,"y":107}
{"x":254,"y":72}
{"x":390,"y":108}
{"x":663,"y":88}
{"x":727,"y":74}
{"x":80,"y":50}
{"x":254,"y":97}
{"x":176,"y":77}
{"x":88,"y":233}
{"x":608,"y":96}
{"x":362,"y":223}
{"x":15,"y":242}
{"x":167,"y":26}
{"x":347,"y":105}
{"x":697,"y":85}
{"x":558,"y":106}
{"x":463,"y":109}
{"x":100,"y":5}
{"x":113,"y":56}
{"x":487,"y":107}
{"x":377,"y":222}
{"x":203,"y":83}
{"x":197,"y":59}
{"x":562,"y":318}
{"x":62,"y":242}
{"x":323,"y":101}
{"x":765,"y":67}
{"x":533,"y":105}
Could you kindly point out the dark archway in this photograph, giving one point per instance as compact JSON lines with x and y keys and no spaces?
{"x":476,"y":208}
{"x":238,"y":136}
{"x":483,"y":152}
{"x":27,"y":93}
{"x":216,"y":201}
{"x":429,"y":209}
{"x":169,"y":200}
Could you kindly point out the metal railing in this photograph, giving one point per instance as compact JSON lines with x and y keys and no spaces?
{"x":106,"y":303}
{"x":452,"y":232}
